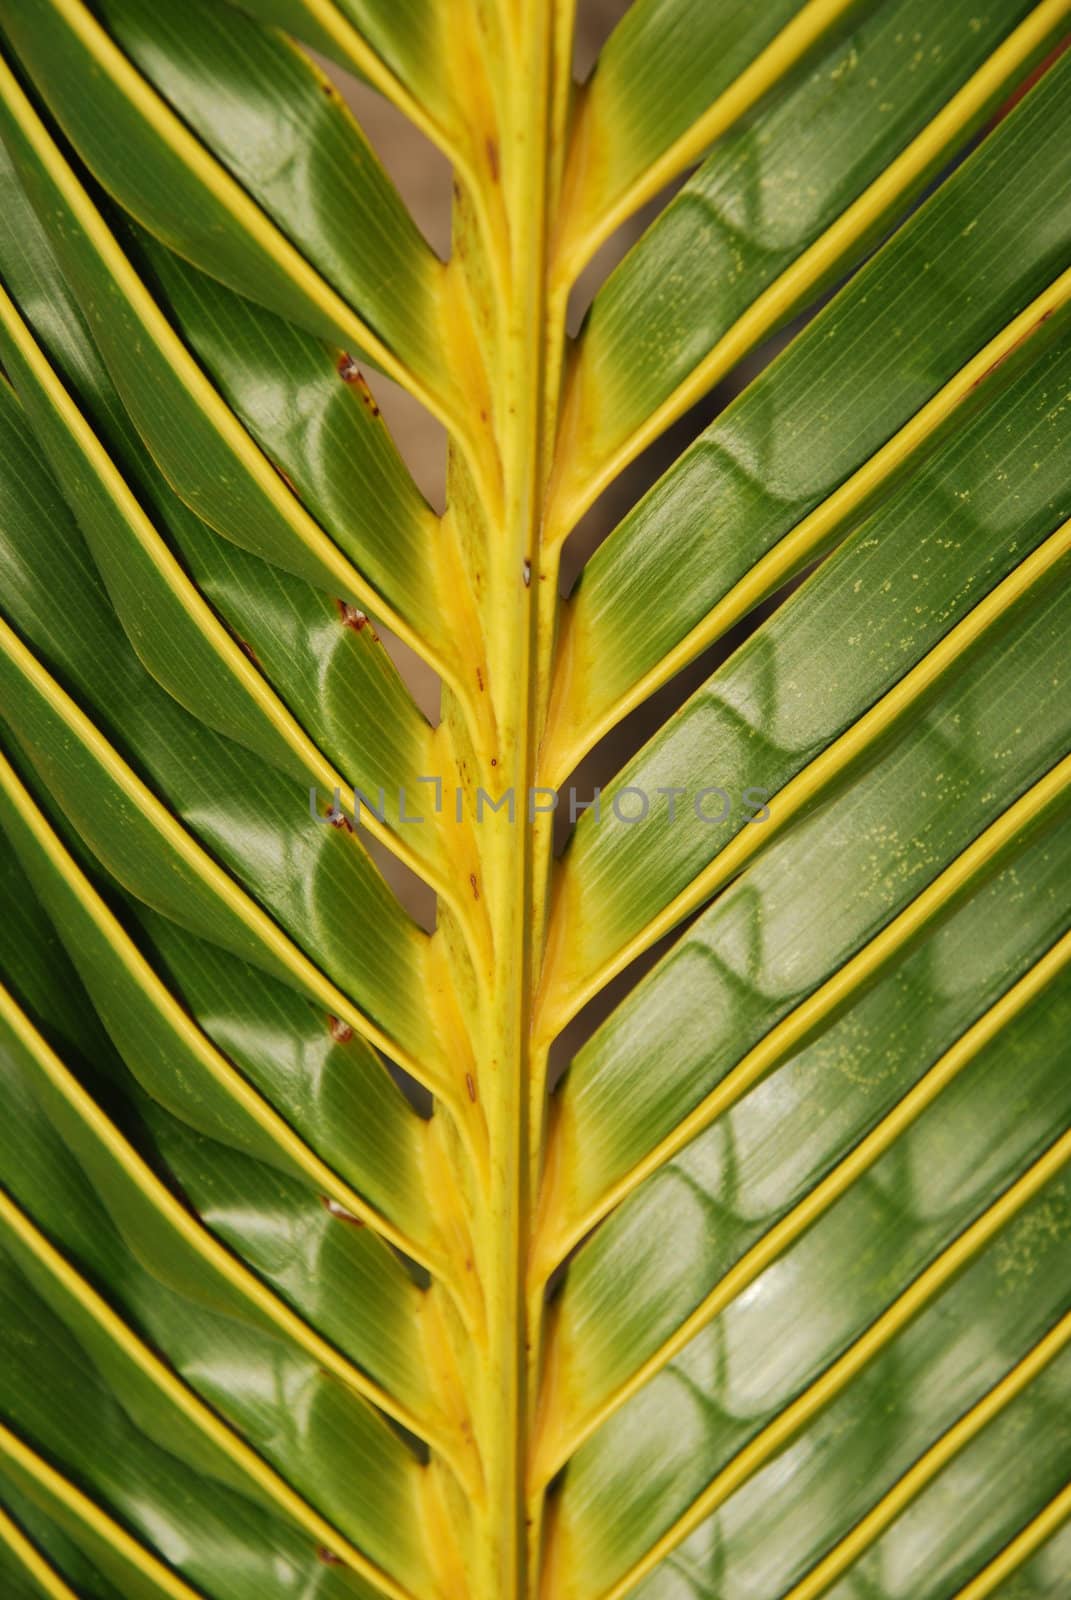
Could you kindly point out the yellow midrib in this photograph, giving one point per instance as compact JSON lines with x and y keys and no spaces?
{"x":514,"y":130}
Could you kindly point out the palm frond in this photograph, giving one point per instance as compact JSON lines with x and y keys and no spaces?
{"x":611,"y":1138}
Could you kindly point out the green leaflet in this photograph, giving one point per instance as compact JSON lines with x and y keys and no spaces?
{"x":854,"y":376}
{"x":330,"y":1431}
{"x":770,"y":188}
{"x":270,"y":144}
{"x":141,"y":840}
{"x":359,"y":714}
{"x":700,"y":1412}
{"x":322,"y":1076}
{"x":178,"y":1066}
{"x":860,"y":624}
{"x":934,"y":1545}
{"x":284,"y":385}
{"x":194,"y":437}
{"x":17,"y":1581}
{"x":665,"y":62}
{"x":676,"y":1211}
{"x":1034,"y":1579}
{"x":768,"y":942}
{"x":768,"y":1153}
{"x":295,"y":1244}
{"x":323,"y":431}
{"x":239,"y":1548}
{"x":404,"y":33}
{"x":176,"y":636}
{"x":63,"y":1554}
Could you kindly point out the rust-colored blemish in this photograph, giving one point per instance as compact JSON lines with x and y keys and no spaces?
{"x":356,"y":620}
{"x":350,"y":372}
{"x":367,"y":397}
{"x":471,"y":1087}
{"x":475,"y":886}
{"x":287,"y":479}
{"x":328,"y":1557}
{"x":339,"y":819}
{"x":340,"y":1031}
{"x":479,"y":679}
{"x":350,"y":617}
{"x":250,"y":652}
{"x":333,"y":1209}
{"x":492,"y":158}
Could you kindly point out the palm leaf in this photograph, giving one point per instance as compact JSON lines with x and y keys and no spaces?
{"x":407,"y":1192}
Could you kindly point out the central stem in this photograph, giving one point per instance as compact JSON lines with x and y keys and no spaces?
{"x":511,"y":650}
{"x":516,"y":100}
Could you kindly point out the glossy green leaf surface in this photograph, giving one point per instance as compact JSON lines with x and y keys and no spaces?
{"x":767,"y":943}
{"x":771,"y":188}
{"x":405,"y":35}
{"x":156,"y":1288}
{"x":415,"y":1185}
{"x":836,"y":649}
{"x":662,"y":66}
{"x":270,"y":144}
{"x":842,"y":390}
{"x":737,"y":1182}
{"x":992,"y":1335}
{"x":195,"y":438}
{"x":361,"y":718}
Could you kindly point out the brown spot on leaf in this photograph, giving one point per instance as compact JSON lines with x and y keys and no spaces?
{"x":492,"y":159}
{"x":340,"y":1031}
{"x":333,"y":1209}
{"x":250,"y":652}
{"x":350,"y":372}
{"x":351,"y":617}
{"x":367,"y":397}
{"x":471,"y":1087}
{"x":479,"y":679}
{"x":339,"y":820}
{"x":475,"y":886}
{"x":328,"y":1557}
{"x":287,"y":479}
{"x":356,"y":620}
